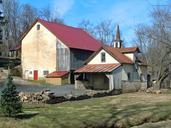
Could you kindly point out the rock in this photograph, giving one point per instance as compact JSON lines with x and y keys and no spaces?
{"x":100,"y":94}
{"x":158,"y":92}
{"x":57,"y":99}
{"x":81,"y":97}
{"x":69,"y":96}
{"x":150,"y":90}
{"x":147,"y":91}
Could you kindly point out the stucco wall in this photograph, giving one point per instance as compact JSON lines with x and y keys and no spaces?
{"x":57,"y":81}
{"x":97,"y":59}
{"x":54,"y":81}
{"x":38,"y":51}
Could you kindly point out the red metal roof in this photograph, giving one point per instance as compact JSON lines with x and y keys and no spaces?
{"x":119,"y":56}
{"x":57,"y":74}
{"x":15,"y":48}
{"x":129,"y":50}
{"x":95,"y":68}
{"x":71,"y":36}
{"x":114,"y":52}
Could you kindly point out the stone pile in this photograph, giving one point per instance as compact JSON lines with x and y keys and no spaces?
{"x":42,"y":96}
{"x":49,"y":97}
{"x":151,"y":90}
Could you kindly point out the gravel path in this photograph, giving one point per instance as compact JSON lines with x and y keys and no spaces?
{"x":25,"y":86}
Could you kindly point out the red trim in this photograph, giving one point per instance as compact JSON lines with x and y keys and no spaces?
{"x":57,"y":74}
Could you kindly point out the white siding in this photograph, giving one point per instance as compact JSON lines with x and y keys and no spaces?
{"x":97,"y":59}
{"x":130,"y":56}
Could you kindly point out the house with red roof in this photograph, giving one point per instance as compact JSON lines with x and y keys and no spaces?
{"x":109,"y":67}
{"x":52,"y":49}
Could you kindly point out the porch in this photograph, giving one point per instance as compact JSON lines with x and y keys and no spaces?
{"x":95,"y":77}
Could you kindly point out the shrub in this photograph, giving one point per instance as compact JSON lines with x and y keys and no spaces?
{"x":10,"y":100}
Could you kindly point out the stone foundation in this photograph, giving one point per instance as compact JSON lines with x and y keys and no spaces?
{"x":133,"y":86}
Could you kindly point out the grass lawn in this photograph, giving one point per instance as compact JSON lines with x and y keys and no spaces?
{"x":124,"y":110}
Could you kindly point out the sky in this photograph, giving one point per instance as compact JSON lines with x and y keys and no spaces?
{"x":126,"y":13}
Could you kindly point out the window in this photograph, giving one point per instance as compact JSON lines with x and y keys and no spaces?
{"x":103,"y":57}
{"x":45,"y":72}
{"x":85,"y":77}
{"x":38,"y":27}
{"x":30,"y":72}
{"x":129,"y":76}
{"x":1,"y":34}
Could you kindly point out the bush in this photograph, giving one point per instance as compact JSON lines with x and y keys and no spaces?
{"x":16,"y":71}
{"x":10,"y":100}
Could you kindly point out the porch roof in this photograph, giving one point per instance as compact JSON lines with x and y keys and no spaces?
{"x":57,"y":74}
{"x":97,"y":68}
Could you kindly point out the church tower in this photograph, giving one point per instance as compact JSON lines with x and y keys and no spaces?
{"x":3,"y":32}
{"x":118,"y":41}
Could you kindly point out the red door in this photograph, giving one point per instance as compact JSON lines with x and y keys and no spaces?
{"x":35,"y":74}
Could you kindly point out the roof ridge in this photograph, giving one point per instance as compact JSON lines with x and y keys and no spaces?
{"x":53,"y":22}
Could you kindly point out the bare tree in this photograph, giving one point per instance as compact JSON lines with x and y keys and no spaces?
{"x":154,"y":40}
{"x":87,"y":26}
{"x":47,"y":14}
{"x":103,"y":31}
{"x":12,"y":13}
{"x":27,"y":17}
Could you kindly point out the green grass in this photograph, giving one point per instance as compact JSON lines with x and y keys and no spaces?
{"x":122,"y":111}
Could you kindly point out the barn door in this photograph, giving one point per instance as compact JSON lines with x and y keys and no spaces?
{"x":35,"y":74}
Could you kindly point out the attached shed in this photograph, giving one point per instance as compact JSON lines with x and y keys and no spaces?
{"x":96,"y":76}
{"x":57,"y":78}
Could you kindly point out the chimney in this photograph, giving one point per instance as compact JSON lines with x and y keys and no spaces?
{"x":118,"y":41}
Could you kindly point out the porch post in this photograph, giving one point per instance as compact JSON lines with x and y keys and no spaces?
{"x":110,"y":77}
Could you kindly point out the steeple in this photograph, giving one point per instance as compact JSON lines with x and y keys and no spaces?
{"x":118,"y":41}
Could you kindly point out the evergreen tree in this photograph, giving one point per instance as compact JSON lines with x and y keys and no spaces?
{"x":10,"y":100}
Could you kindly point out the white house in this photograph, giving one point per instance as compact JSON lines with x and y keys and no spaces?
{"x":108,"y":67}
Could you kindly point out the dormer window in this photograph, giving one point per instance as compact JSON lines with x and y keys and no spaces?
{"x":38,"y":27}
{"x":103,"y":57}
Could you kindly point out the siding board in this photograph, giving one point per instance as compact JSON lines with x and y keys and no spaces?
{"x":78,"y":58}
{"x":63,"y":58}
